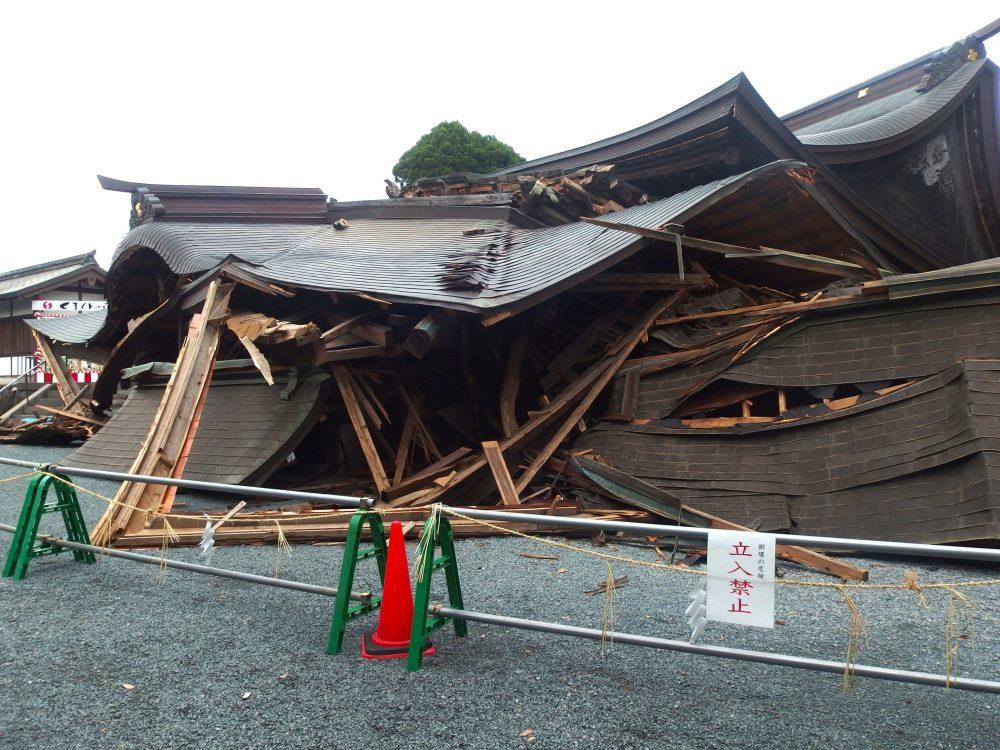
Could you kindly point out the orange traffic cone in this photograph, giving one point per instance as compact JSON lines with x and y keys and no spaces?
{"x":392,"y":638}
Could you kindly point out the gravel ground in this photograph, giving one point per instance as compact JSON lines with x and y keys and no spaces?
{"x":194,"y":645}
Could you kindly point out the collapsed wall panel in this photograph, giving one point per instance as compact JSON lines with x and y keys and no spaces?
{"x":858,"y":345}
{"x":917,"y":464}
{"x":247,"y":429}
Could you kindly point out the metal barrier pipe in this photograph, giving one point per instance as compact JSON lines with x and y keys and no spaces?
{"x":12,"y":383}
{"x":346,"y":501}
{"x":691,"y":532}
{"x":568,"y":522}
{"x":760,"y":657}
{"x":308,"y":588}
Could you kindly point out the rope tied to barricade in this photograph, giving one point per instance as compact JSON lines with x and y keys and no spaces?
{"x":959,"y":616}
{"x":15,"y":478}
{"x":958,"y":628}
{"x":608,"y":617}
{"x":169,"y":536}
{"x":284,"y":548}
{"x":857,"y":631}
{"x":910,"y":577}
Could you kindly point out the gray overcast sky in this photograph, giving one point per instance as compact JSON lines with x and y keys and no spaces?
{"x":330,"y":94}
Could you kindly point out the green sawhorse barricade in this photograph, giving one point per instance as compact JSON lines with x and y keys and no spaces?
{"x":437,"y":532}
{"x":343,"y":612}
{"x":23,"y":548}
{"x":423,"y":623}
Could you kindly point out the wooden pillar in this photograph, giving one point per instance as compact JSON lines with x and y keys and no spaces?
{"x":68,"y":389}
{"x":174,"y":424}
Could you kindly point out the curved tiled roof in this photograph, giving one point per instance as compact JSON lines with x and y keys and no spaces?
{"x":71,"y":329}
{"x":44,"y":275}
{"x":477,"y":263}
{"x":891,"y":116}
{"x":703,"y":110}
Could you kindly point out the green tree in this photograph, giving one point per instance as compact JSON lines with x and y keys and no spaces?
{"x":450,"y":147}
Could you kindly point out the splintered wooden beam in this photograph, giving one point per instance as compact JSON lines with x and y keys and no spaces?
{"x":654,"y":282}
{"x":405,"y":446}
{"x":65,"y":385}
{"x":258,"y":359}
{"x":508,"y":493}
{"x":345,"y":326}
{"x":357,"y":417}
{"x":420,"y":478}
{"x":428,"y":332}
{"x":632,"y":340}
{"x":414,"y":405}
{"x":786,"y":258}
{"x":511,"y":382}
{"x":71,"y":415}
{"x":173,"y":425}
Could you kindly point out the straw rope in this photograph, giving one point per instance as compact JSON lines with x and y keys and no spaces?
{"x":608,"y":617}
{"x":959,"y":615}
{"x":15,"y":478}
{"x":909,"y":585}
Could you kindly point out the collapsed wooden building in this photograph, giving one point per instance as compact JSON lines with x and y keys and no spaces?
{"x":722,"y":317}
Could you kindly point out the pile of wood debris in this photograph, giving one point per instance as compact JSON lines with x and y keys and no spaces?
{"x":446,"y":410}
{"x":70,"y":423}
{"x":592,"y":191}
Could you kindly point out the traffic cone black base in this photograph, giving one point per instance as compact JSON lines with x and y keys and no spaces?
{"x":372,"y":649}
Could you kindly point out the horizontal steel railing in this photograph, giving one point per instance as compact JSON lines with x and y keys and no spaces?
{"x":236,"y":575}
{"x":191,"y":484}
{"x":566,"y":522}
{"x":760,"y":657}
{"x":639,"y":529}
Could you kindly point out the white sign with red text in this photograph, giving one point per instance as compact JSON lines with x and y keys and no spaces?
{"x":54,"y":307}
{"x":741,"y":578}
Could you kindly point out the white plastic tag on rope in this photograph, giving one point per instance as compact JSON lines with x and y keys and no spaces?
{"x":741,"y":578}
{"x":207,"y":541}
{"x":695,"y":613}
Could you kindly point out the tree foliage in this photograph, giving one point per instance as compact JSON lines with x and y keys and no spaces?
{"x":449,"y":148}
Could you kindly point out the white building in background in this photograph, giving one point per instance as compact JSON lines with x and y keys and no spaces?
{"x":68,"y":286}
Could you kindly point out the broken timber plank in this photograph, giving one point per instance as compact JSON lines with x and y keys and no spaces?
{"x":259,"y":360}
{"x":508,"y":493}
{"x":438,"y":468}
{"x":71,"y":415}
{"x":344,"y":327}
{"x":639,"y":493}
{"x":604,"y":377}
{"x":171,"y":425}
{"x":405,"y":446}
{"x":787,"y":258}
{"x":511,"y":382}
{"x":357,"y":418}
{"x":65,"y":385}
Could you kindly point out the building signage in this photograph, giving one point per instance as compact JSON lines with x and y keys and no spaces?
{"x":43,"y":308}
{"x":740,"y":578}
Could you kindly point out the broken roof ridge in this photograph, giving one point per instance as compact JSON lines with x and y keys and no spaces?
{"x":893,"y":116}
{"x":917,"y":65}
